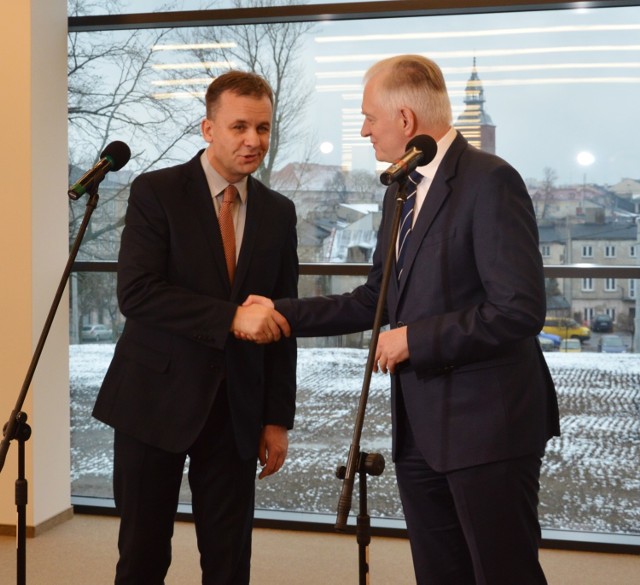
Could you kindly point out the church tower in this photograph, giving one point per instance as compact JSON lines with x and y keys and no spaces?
{"x":474,"y":123}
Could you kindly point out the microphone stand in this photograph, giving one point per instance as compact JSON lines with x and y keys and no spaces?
{"x":17,"y":427}
{"x":364,"y":463}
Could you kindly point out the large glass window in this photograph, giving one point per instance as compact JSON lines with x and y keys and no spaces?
{"x":541,"y":78}
{"x":589,"y":479}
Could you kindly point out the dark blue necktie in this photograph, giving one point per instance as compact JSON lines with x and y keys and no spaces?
{"x":406,"y":219}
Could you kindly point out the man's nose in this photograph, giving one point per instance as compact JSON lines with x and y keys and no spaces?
{"x":252,"y":137}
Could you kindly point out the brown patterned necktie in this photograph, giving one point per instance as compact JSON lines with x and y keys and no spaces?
{"x":225,"y":219}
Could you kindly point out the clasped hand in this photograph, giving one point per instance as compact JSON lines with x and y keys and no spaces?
{"x":257,"y":320}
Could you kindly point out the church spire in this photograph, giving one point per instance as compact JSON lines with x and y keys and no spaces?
{"x":474,"y":123}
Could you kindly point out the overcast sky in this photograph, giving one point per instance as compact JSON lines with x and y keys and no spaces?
{"x":556,"y":83}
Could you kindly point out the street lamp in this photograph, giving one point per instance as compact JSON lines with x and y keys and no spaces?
{"x":584,"y":159}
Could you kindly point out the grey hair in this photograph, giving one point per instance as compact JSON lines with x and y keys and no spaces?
{"x":414,"y":82}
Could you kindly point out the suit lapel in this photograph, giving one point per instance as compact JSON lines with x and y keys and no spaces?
{"x":197,"y":189}
{"x":385,"y":244}
{"x":437,"y":195}
{"x":255,"y":205}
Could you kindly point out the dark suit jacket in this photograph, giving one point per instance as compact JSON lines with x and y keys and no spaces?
{"x":173,"y":289}
{"x":476,"y":387}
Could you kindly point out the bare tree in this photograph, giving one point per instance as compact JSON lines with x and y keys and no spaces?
{"x":547,"y":188}
{"x":365,"y":185}
{"x":110,"y":80}
{"x":337,"y":186}
{"x":114,"y":80}
{"x":110,"y":76}
{"x":273,"y":50}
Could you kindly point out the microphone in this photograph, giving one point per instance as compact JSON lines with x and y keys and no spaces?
{"x":113,"y":158}
{"x":421,"y":150}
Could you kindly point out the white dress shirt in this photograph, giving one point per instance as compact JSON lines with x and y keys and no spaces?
{"x":429,"y":171}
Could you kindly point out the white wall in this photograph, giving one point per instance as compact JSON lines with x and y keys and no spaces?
{"x":34,"y":250}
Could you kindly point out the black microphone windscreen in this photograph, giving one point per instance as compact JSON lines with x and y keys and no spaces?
{"x":118,"y":153}
{"x":425,"y":144}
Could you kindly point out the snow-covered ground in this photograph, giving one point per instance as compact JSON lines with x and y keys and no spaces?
{"x":590,"y":478}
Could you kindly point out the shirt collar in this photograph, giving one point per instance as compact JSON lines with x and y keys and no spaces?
{"x":443,"y":145}
{"x":217,"y":183}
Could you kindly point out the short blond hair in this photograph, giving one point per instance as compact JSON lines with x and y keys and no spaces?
{"x":415,"y":82}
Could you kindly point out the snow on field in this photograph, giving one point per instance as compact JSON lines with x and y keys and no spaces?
{"x":590,"y":477}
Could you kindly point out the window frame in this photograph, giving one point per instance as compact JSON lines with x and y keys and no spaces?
{"x":323,"y":12}
{"x":355,"y":11}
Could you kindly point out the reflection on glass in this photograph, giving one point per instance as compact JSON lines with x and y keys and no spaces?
{"x":504,"y":73}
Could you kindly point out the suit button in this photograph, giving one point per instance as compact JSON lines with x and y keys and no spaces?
{"x":400,"y":324}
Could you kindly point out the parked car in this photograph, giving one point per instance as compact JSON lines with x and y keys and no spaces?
{"x":546,"y":344}
{"x":96,"y":332}
{"x":602,"y":324}
{"x":566,"y":328}
{"x":549,"y":341}
{"x":611,"y":344}
{"x":570,"y":345}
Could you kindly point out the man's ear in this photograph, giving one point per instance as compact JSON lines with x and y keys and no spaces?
{"x":409,"y":122}
{"x":207,"y":131}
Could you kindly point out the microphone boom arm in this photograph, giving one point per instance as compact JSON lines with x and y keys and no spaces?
{"x":11,"y":426}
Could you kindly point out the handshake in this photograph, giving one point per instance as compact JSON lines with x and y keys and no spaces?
{"x":257,"y":320}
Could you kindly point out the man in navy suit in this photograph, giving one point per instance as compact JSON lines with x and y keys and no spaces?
{"x":473,"y":403}
{"x":181,"y":384}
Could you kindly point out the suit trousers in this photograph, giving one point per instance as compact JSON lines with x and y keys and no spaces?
{"x":147,"y":487}
{"x":473,"y":526}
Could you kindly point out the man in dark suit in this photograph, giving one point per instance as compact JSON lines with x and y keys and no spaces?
{"x":473,"y":402}
{"x":180,"y":384}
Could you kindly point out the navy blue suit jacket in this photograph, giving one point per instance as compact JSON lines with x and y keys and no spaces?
{"x":476,"y":388}
{"x":174,"y":290}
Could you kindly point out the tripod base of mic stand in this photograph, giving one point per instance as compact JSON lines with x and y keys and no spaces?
{"x":19,"y":430}
{"x":368,"y":464}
